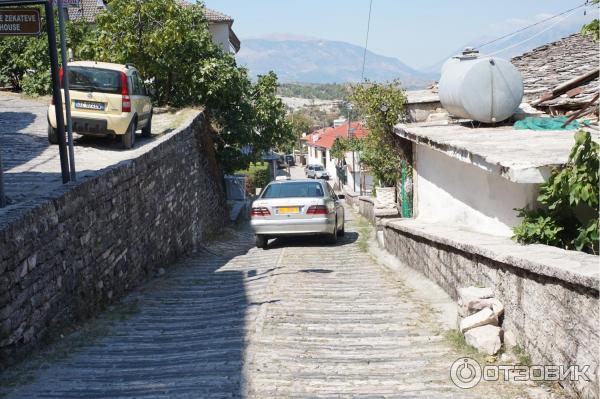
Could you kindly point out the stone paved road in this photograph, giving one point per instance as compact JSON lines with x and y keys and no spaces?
{"x":32,"y":166}
{"x":299,"y":320}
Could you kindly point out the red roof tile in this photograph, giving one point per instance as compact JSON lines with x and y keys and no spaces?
{"x":325,"y":137}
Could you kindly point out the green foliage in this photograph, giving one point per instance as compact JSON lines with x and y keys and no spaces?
{"x":381,"y":105}
{"x":571,"y":191}
{"x":343,"y":145}
{"x":327,"y":91}
{"x":593,"y":28}
{"x":257,"y":176}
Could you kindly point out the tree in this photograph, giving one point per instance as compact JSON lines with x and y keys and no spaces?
{"x":593,"y":28}
{"x":381,"y":106}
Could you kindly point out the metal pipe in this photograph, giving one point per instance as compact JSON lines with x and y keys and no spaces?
{"x":63,"y":49}
{"x":56,"y":95}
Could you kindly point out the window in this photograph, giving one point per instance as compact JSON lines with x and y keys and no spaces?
{"x":94,"y":79}
{"x":297,"y":189}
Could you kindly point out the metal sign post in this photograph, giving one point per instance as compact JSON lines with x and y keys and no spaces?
{"x":63,"y":50}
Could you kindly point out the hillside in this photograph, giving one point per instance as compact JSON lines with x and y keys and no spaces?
{"x":323,"y":61}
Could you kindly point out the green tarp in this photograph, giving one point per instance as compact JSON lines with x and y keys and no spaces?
{"x":546,"y":124}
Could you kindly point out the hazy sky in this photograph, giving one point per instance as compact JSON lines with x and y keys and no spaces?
{"x":417,"y":32}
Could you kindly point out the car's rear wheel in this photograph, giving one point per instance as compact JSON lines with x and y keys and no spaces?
{"x":332,"y":238}
{"x":147,"y":130}
{"x":52,"y":135}
{"x":261,"y":241}
{"x":128,"y":139}
{"x":342,"y":231}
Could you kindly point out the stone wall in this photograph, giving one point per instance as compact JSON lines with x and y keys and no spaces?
{"x":366,"y":207}
{"x":550,"y":295}
{"x":68,"y":256}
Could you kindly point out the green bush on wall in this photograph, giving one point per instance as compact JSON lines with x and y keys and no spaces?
{"x":567,"y":215}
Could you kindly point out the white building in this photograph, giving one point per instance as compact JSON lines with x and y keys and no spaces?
{"x":220,"y":26}
{"x":474,"y":177}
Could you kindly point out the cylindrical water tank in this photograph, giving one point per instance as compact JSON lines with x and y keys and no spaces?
{"x":485,"y":89}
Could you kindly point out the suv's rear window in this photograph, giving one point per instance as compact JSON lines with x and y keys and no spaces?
{"x":94,"y":79}
{"x":298,"y":189}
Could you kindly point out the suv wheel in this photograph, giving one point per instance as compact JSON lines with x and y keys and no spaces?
{"x":147,"y":130}
{"x":341,"y":231}
{"x":52,"y":135}
{"x":261,"y":241}
{"x":128,"y":139}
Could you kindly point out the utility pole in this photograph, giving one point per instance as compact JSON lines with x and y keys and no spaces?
{"x":350,"y":135}
{"x":63,"y":48}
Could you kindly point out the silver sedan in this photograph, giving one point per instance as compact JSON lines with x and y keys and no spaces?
{"x":297,"y":207}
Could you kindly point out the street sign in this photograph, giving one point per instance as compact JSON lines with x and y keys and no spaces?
{"x":19,"y":22}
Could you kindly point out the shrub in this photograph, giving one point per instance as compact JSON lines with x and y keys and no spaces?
{"x":257,"y":176}
{"x":567,"y":215}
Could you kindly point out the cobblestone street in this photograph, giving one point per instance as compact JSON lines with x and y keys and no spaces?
{"x":299,"y":319}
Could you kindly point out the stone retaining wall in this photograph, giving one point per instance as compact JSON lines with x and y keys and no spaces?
{"x":366,"y":207}
{"x":551,"y":310}
{"x":66,"y":257}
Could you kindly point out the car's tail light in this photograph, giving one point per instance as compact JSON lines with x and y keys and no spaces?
{"x":61,"y":72}
{"x":259,"y":211}
{"x":317,"y":210}
{"x":126,"y":100}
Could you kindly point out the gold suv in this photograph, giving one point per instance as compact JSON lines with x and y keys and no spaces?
{"x":106,"y":100}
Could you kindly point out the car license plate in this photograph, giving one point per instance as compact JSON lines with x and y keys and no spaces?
{"x":89,"y":105}
{"x":288,"y":210}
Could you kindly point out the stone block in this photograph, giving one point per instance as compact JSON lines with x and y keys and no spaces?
{"x":486,"y":339}
{"x":484,"y":317}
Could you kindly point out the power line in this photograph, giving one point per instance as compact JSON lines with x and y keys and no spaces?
{"x":366,"y":42}
{"x":530,"y":26}
{"x":531,"y":37}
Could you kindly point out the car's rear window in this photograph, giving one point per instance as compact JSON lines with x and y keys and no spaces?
{"x":94,"y":79}
{"x":297,"y":189}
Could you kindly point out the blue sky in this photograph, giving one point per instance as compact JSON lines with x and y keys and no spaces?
{"x":417,"y":32}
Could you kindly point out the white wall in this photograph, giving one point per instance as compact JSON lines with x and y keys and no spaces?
{"x":450,"y":191}
{"x":220,"y":35}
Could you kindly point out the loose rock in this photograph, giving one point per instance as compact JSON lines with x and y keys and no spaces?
{"x":486,"y":339}
{"x":483,"y":317}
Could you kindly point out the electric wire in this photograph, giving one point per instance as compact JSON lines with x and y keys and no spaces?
{"x":366,"y":41}
{"x":532,"y":25}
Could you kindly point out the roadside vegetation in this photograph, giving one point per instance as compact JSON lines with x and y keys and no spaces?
{"x":171,"y":46}
{"x":257,"y":176}
{"x":567,"y":211}
{"x":325,"y":91}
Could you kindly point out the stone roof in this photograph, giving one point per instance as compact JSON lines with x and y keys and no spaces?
{"x":87,"y":10}
{"x":216,"y":16}
{"x":553,"y":64}
{"x":325,"y":138}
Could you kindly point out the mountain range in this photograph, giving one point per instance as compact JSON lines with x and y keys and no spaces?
{"x":298,"y":59}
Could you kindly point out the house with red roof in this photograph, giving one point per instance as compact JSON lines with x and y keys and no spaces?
{"x":319,"y":145}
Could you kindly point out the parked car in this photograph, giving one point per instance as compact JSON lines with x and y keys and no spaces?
{"x":297,"y":207}
{"x":318,"y":172}
{"x":308,"y":169}
{"x":106,"y":100}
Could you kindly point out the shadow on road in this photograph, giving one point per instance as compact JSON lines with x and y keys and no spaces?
{"x":311,"y":241}
{"x":185,"y":337}
{"x":17,"y":147}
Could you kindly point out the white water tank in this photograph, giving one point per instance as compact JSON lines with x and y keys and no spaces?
{"x":484,"y":89}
